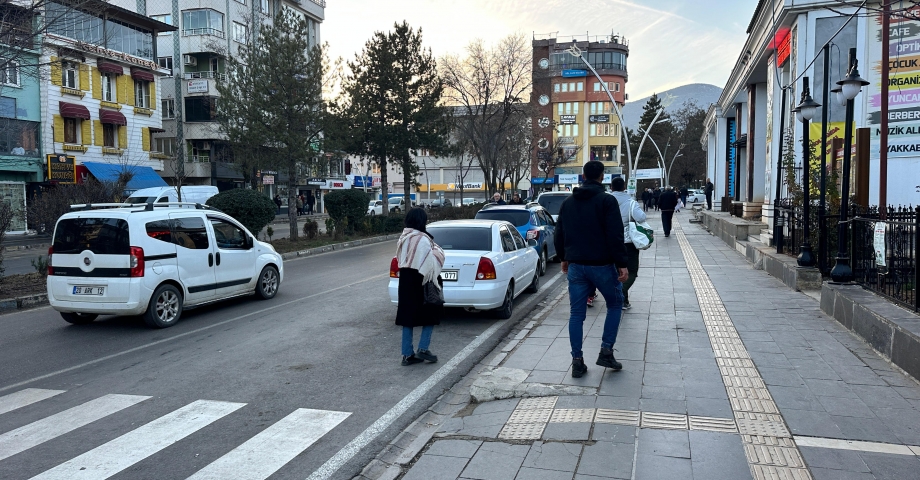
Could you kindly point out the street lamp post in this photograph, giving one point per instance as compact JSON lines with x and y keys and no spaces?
{"x":671,"y":165}
{"x":804,"y":112}
{"x":661,"y":160}
{"x":851,"y":85}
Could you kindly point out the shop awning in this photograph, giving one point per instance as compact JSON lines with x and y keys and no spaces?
{"x":155,"y":130}
{"x":141,"y":74}
{"x":143,"y":177}
{"x":113,"y":117}
{"x":73,"y":110}
{"x":540,"y":180}
{"x":108,"y":67}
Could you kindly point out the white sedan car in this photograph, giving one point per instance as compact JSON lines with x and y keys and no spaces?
{"x":696,"y":196}
{"x":487,"y":265}
{"x":375,"y":207}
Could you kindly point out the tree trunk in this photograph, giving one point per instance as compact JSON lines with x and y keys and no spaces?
{"x":384,"y":193}
{"x":407,"y":183}
{"x":292,"y":201}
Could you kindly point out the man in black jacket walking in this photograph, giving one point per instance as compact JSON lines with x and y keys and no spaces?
{"x":589,"y":242}
{"x":668,"y":202}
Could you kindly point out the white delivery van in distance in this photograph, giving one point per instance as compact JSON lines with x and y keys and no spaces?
{"x":190,"y":194}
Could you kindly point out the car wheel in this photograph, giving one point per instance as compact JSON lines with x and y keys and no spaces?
{"x":267,"y":286}
{"x":535,"y":284}
{"x":373,"y":213}
{"x":507,"y":309}
{"x":541,"y":264}
{"x":165,"y":307}
{"x":396,"y":210}
{"x":78,"y":318}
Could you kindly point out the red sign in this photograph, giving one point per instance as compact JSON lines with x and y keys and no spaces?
{"x":783,"y":50}
{"x":338,"y":185}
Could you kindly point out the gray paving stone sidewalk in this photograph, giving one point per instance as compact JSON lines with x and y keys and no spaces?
{"x":825,"y":406}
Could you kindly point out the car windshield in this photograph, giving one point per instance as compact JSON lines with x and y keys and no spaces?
{"x":462,"y":238}
{"x":518,"y":218}
{"x":102,"y":236}
{"x":372,"y":203}
{"x":394,"y":199}
{"x":135,"y":200}
{"x":552,"y":203}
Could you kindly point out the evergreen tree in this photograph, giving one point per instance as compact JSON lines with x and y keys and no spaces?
{"x":389,"y":107}
{"x":272,"y":110}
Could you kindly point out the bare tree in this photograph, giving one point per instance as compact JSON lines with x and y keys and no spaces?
{"x":489,"y":87}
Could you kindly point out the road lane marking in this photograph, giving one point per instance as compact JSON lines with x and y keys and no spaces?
{"x":20,"y":399}
{"x":274,"y":447}
{"x":367,"y":436}
{"x":49,"y":428}
{"x":113,"y":457}
{"x":181,"y":335}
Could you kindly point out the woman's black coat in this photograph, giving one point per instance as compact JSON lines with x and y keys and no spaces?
{"x":411,"y":312}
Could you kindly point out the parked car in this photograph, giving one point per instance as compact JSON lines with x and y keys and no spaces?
{"x":696,"y":195}
{"x":191,"y":194}
{"x":375,"y":207}
{"x":532,"y":221}
{"x":396,"y":204}
{"x":552,"y":202}
{"x":438,"y":203}
{"x":487,"y":265}
{"x":470,"y":201}
{"x":109,"y":259}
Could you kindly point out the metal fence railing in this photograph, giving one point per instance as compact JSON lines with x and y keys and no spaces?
{"x":895,"y":276}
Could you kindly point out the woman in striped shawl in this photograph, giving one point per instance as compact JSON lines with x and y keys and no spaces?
{"x":420,"y":261}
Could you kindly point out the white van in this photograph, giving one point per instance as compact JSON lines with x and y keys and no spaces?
{"x":190,"y":194}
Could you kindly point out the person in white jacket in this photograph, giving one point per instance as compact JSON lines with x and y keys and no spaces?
{"x":630,"y":211}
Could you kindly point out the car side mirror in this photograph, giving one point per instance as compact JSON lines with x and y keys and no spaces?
{"x":531,"y":242}
{"x":249,"y":242}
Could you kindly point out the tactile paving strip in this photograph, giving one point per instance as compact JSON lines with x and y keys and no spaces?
{"x":725,"y":425}
{"x":522,"y":431}
{"x":770,"y":449}
{"x":537,"y":402}
{"x":540,"y":415}
{"x":618,"y":417}
{"x":664,"y":420}
{"x":572,"y":415}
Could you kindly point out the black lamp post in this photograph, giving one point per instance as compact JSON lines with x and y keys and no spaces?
{"x":804,"y":112}
{"x":851,"y":85}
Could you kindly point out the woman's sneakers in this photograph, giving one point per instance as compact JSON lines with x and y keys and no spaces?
{"x":411,"y":360}
{"x":427,"y":356}
{"x":419,"y":357}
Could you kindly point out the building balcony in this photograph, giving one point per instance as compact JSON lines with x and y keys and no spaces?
{"x":192,"y":169}
{"x":191,"y":32}
{"x":205,"y":74}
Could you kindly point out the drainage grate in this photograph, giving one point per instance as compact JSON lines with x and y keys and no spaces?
{"x":572,"y":415}
{"x":618,"y":417}
{"x":711,"y":424}
{"x":531,"y":416}
{"x":522,"y":431}
{"x":664,"y":420}
{"x":539,"y":402}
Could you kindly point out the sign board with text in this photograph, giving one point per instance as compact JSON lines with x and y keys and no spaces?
{"x":647,"y":173}
{"x":599,"y":118}
{"x":268,"y":179}
{"x":197,"y":86}
{"x":569,"y":73}
{"x":566,"y":119}
{"x":568,"y":179}
{"x":62,"y":169}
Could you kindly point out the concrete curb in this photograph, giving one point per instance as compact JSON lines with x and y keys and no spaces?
{"x":12,"y":248}
{"x":21,"y":303}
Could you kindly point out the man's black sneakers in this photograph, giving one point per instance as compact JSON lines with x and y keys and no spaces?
{"x":578,"y":367}
{"x":626,"y":305}
{"x":605,"y":359}
{"x":427,"y":356}
{"x":411,"y":360}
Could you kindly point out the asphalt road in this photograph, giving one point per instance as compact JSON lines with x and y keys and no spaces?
{"x":227,"y":375}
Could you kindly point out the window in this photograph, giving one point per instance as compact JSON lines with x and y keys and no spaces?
{"x":568,"y":108}
{"x":141,"y":94}
{"x":71,"y":75}
{"x":18,"y":137}
{"x":102,"y":236}
{"x":240,"y":33}
{"x":203,"y":22}
{"x":74,"y":24}
{"x":518,"y":239}
{"x":189,"y":232}
{"x":559,"y":108}
{"x":597,"y":86}
{"x":200,"y":109}
{"x":166,"y":146}
{"x":109,"y":135}
{"x":166,"y":63}
{"x":108,"y":82}
{"x":159,"y":230}
{"x":242,"y":1}
{"x":518,"y":218}
{"x":556,"y":88}
{"x":565,"y":87}
{"x":265,"y":7}
{"x":580,"y":86}
{"x":7,"y":107}
{"x":575,"y":108}
{"x":617,"y":87}
{"x":507,"y":241}
{"x":168,"y":108}
{"x":463,"y":238}
{"x":167,"y":19}
{"x":228,"y":235}
{"x":128,"y":39}
{"x":10,"y":75}
{"x":604,"y":153}
{"x":70,"y":130}
{"x":575,"y":130}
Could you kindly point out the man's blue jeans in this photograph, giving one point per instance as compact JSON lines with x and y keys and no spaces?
{"x":583,"y":279}
{"x":423,"y":341}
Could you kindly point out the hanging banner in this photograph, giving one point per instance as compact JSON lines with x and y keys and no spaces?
{"x":879,"y":242}
{"x":903,"y":88}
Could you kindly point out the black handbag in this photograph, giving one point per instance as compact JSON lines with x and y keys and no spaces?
{"x":432,"y":295}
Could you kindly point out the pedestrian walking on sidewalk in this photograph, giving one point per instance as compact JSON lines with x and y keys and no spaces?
{"x":590,"y":244}
{"x":656,"y":196}
{"x":709,"y":188}
{"x":311,"y":200}
{"x":647,"y":198}
{"x":278,"y":203}
{"x":420,"y":261}
{"x":668,"y":204}
{"x":299,"y":205}
{"x":629,"y":211}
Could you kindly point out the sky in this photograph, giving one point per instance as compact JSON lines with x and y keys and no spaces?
{"x":672,"y":42}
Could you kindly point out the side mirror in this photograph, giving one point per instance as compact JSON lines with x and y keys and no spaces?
{"x":532,"y":242}
{"x":250,"y":242}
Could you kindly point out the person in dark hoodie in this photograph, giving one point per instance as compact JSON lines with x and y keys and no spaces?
{"x":668,"y":202}
{"x":590,"y":244}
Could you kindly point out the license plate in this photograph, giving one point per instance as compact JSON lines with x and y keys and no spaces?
{"x":449,"y":276}
{"x":89,"y":290}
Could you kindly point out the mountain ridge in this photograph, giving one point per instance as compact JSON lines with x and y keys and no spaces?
{"x":703,"y":94}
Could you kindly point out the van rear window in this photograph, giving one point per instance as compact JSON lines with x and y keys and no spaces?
{"x":102,"y":236}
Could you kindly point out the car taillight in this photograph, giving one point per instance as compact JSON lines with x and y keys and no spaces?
{"x":533,"y":234}
{"x":137,"y":262}
{"x":486,"y":270}
{"x":394,"y":268}
{"x":50,"y":268}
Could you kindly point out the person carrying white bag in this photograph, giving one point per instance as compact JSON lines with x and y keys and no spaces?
{"x":633,"y":218}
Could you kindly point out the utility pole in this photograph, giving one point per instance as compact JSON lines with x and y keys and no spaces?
{"x":177,"y":76}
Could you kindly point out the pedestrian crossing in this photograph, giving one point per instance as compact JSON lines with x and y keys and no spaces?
{"x":257,"y":458}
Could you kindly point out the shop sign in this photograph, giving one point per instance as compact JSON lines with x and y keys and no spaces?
{"x":337,"y":184}
{"x":316,"y":181}
{"x":647,"y":173}
{"x":599,"y":118}
{"x":566,"y":119}
{"x":783,"y":51}
{"x":268,"y":179}
{"x":197,"y":86}
{"x":568,"y":179}
{"x":62,"y":169}
{"x":565,"y":140}
{"x":574,"y":73}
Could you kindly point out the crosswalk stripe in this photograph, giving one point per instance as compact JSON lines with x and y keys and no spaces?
{"x":267,"y":452}
{"x":36,"y":433}
{"x":20,"y":399}
{"x":112,"y":457}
